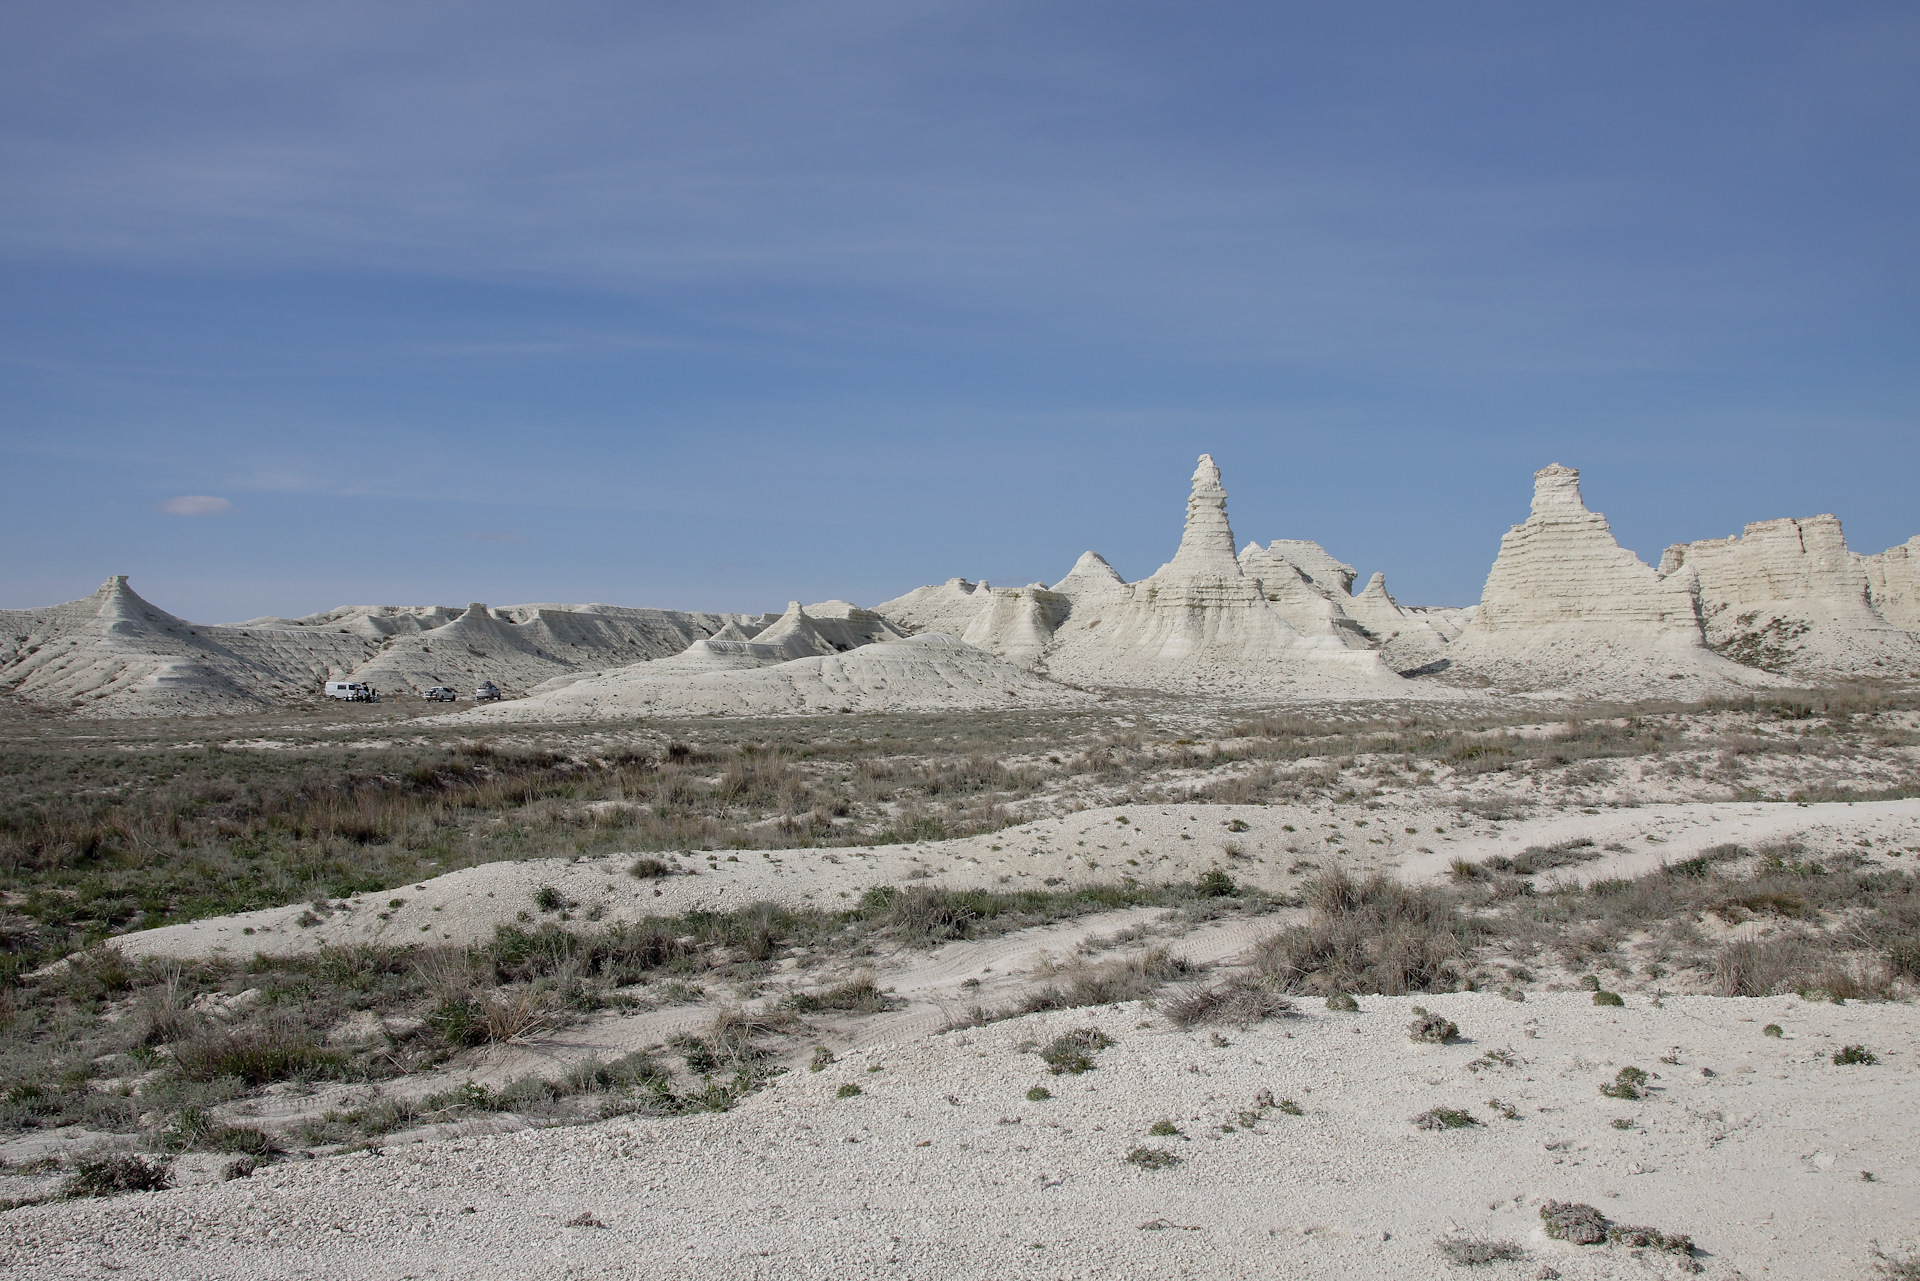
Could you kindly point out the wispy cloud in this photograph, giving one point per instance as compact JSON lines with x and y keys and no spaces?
{"x":196,"y":505}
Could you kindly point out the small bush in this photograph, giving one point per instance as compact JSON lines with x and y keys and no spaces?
{"x":1773,"y":1030}
{"x":1242,"y":1000}
{"x":822,"y":1059}
{"x":1444,"y":1119}
{"x":1644,"y":1238}
{"x":113,"y":1175}
{"x":1163,"y":1129}
{"x":1343,"y":1003}
{"x":548,"y":899}
{"x":1852,"y":1055}
{"x":1471,"y":1252}
{"x":1432,"y":1028}
{"x":1214,"y":883}
{"x":1627,"y":1083}
{"x":1153,"y":1158}
{"x":649,"y":868}
{"x":857,"y":996}
{"x":1574,"y":1223}
{"x":1039,"y":1093}
{"x":847,"y":1091}
{"x":1071,"y":1053}
{"x":1604,"y":997}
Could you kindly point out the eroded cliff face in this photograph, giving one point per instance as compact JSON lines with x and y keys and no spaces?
{"x":1893,"y":583}
{"x":1788,"y":596}
{"x":1567,"y":607}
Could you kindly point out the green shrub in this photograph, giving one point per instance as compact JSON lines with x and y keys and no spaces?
{"x":1038,"y":1094}
{"x":847,"y":1091}
{"x":1071,"y":1053}
{"x":1627,"y":1083}
{"x":1342,"y":1002}
{"x":1153,"y":1158}
{"x":1773,"y":1030}
{"x":1854,"y":1054}
{"x":1444,"y":1119}
{"x":1163,"y":1129}
{"x":1604,"y":997}
{"x":1431,"y":1028}
{"x":255,"y":1055}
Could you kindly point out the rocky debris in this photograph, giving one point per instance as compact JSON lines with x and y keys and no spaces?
{"x":1787,"y":595}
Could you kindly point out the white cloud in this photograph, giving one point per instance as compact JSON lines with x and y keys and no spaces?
{"x":196,"y":505}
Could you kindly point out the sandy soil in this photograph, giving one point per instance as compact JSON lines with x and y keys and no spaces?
{"x":1092,"y":846}
{"x":941,"y":1167}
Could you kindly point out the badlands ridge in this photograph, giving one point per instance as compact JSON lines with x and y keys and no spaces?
{"x":1566,"y":610}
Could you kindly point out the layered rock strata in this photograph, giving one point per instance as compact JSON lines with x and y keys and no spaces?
{"x":1788,"y":596}
{"x":1566,"y":607}
{"x":1893,"y":583}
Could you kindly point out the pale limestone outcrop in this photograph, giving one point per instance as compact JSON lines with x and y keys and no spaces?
{"x":1201,"y":622}
{"x":1090,"y":574}
{"x":930,"y":672}
{"x":940,"y":607}
{"x":1893,"y":583}
{"x":113,"y":653}
{"x":1566,"y":607}
{"x":1206,"y":541}
{"x":1788,"y":596}
{"x":1017,"y":624}
{"x":1408,"y":639}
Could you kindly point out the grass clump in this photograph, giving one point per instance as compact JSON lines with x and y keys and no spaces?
{"x":856,"y":996}
{"x":1432,"y":1029}
{"x":1473,"y":1252}
{"x":255,"y":1055}
{"x":1039,"y":1094}
{"x":1445,"y":1119}
{"x":1164,"y":1130}
{"x":1852,"y":1055}
{"x":1772,"y":1030}
{"x":117,"y":1174}
{"x":847,"y":1091}
{"x":1573,"y":1223}
{"x":1627,"y":1083}
{"x":649,"y":868}
{"x":1372,"y":935}
{"x":1343,"y":1003}
{"x":1071,"y":1053}
{"x":1242,"y":1000}
{"x":1153,"y":1158}
{"x":1603,"y":997}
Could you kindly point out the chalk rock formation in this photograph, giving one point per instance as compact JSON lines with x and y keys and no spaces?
{"x":115,"y":654}
{"x":942,"y":607}
{"x":1017,"y":624}
{"x":1567,"y":607}
{"x":918,"y":673}
{"x":1090,"y":575}
{"x":1893,"y":583}
{"x":1408,"y":639}
{"x":1787,"y":596}
{"x":1200,"y":622}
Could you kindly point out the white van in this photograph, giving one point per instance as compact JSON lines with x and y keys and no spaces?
{"x":351,"y":691}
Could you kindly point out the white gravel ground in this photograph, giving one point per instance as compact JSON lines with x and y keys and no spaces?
{"x":942,"y":1168}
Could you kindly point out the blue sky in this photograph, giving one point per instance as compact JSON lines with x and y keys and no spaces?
{"x":711,"y":306}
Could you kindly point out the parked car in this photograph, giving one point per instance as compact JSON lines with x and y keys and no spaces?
{"x":351,"y":691}
{"x":486,"y":692}
{"x":440,"y":694}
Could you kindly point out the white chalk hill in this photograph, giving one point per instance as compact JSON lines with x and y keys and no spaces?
{"x":788,"y":669}
{"x":115,"y":654}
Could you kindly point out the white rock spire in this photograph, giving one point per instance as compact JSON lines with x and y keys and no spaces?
{"x":1206,"y":545}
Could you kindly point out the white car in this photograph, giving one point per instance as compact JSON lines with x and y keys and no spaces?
{"x":486,"y":692}
{"x":440,"y":694}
